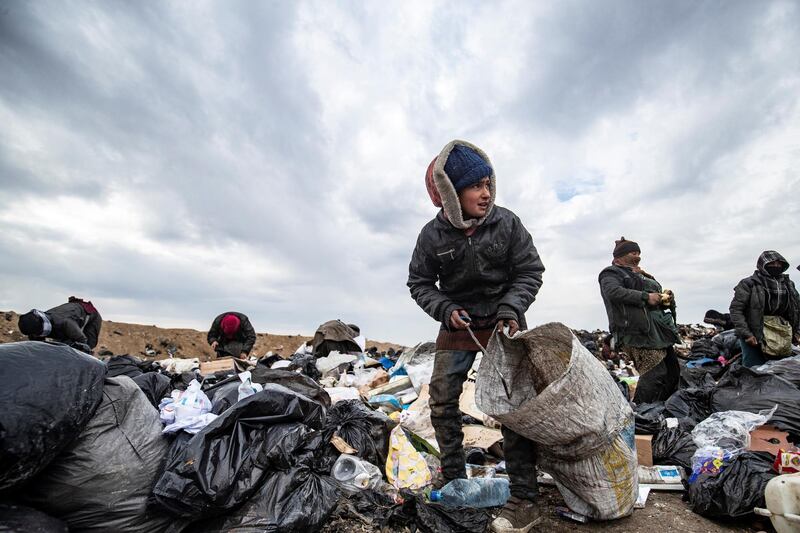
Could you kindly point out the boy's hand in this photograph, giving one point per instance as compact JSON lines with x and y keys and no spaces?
{"x":456,"y":322}
{"x":654,"y":298}
{"x":214,"y":345}
{"x":751,"y":340}
{"x":513,"y":326}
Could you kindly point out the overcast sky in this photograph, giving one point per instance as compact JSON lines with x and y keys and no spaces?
{"x":173,"y":160}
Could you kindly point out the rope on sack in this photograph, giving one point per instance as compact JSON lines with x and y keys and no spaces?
{"x":474,"y":338}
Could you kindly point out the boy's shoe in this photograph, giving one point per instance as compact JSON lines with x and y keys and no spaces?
{"x":517,"y":516}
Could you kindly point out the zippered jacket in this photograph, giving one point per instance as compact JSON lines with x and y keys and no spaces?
{"x":487,"y":266}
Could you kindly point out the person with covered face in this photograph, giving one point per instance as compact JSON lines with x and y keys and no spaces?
{"x":231,"y":334}
{"x":76,"y":323}
{"x":642,"y":322}
{"x":765,"y":311}
{"x":474,"y":266}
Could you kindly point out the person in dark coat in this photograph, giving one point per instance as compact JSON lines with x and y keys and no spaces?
{"x":767,"y":293}
{"x":231,"y":334}
{"x":76,"y":323}
{"x":474,"y":265}
{"x":642,"y":322}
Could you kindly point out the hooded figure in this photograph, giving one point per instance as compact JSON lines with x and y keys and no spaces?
{"x":231,"y":334}
{"x":76,"y":323}
{"x":766,"y":297}
{"x":335,"y":335}
{"x":474,"y":269}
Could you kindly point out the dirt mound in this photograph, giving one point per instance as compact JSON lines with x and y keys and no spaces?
{"x":153,"y":342}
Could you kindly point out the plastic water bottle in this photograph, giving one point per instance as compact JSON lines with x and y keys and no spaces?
{"x":355,"y":473}
{"x":476,"y":492}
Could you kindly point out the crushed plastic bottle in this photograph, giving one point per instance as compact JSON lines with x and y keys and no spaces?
{"x":476,"y":492}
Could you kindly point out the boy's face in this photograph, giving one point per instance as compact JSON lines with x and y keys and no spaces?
{"x":475,"y":198}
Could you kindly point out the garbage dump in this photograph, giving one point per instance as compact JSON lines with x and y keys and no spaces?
{"x":545,"y":385}
{"x":295,"y":443}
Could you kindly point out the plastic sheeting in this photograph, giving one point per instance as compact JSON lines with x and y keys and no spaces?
{"x":226,"y":463}
{"x":744,"y":389}
{"x":49,"y":392}
{"x":583,"y":425}
{"x":102,"y":481}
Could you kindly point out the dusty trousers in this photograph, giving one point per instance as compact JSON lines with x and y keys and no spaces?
{"x":658,"y":383}
{"x":450,"y":370}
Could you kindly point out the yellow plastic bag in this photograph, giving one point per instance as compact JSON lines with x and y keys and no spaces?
{"x":405,"y":466}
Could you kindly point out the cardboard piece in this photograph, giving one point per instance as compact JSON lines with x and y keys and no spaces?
{"x":480,"y":436}
{"x":768,"y":439}
{"x":644,"y":449}
{"x":392,"y":387}
{"x":223,"y":363}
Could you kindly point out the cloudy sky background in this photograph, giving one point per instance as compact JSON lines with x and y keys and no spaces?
{"x":172,"y":160}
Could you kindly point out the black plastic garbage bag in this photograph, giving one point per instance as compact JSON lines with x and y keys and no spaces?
{"x":674,"y":445}
{"x":361,"y":427}
{"x":701,"y":377}
{"x":788,"y":369}
{"x":694,"y":403}
{"x":744,"y":389}
{"x":228,"y":460}
{"x":648,"y":418}
{"x":307,"y":364}
{"x":736,"y":490}
{"x":155,"y":386}
{"x":370,"y":507}
{"x":292,"y":500}
{"x":48,"y":392}
{"x":125,"y":365}
{"x":224,"y":396}
{"x":293,"y":381}
{"x":102,"y":481}
{"x":20,"y":519}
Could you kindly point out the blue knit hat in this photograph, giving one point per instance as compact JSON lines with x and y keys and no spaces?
{"x":465,"y":167}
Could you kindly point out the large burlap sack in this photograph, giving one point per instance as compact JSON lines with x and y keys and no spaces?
{"x":580,"y":420}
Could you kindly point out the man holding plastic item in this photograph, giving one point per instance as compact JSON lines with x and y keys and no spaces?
{"x":641,"y":319}
{"x":766,"y":311}
{"x":76,"y":323}
{"x":474,"y":269}
{"x":231,"y":334}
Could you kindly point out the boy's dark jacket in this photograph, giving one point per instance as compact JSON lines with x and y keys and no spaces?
{"x":246,"y":334}
{"x":494,"y":272}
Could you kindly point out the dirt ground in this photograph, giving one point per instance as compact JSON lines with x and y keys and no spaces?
{"x":664,"y":512}
{"x":121,"y":338}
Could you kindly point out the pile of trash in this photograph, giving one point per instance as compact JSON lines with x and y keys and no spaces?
{"x":288,"y":444}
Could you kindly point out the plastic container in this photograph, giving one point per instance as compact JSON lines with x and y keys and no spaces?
{"x":476,"y":492}
{"x":783,"y":503}
{"x":355,"y":473}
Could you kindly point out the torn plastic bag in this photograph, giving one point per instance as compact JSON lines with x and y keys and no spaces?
{"x":307,"y":364}
{"x":406,"y":468}
{"x":369,"y":506}
{"x":223,"y":397}
{"x":226,"y":462}
{"x":649,"y":417}
{"x":363,"y":428}
{"x":744,"y":389}
{"x":155,"y":386}
{"x":694,"y":403}
{"x":299,"y":383}
{"x":49,"y":392}
{"x":20,"y":519}
{"x":582,"y":424}
{"x":701,"y":377}
{"x":736,"y":490}
{"x":102,"y":481}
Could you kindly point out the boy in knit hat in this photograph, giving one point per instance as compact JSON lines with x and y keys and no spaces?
{"x":474,"y":265}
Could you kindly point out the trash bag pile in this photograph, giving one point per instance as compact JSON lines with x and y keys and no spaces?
{"x":705,"y":426}
{"x":292,"y":444}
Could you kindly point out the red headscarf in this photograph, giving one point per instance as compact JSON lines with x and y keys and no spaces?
{"x":230,"y":325}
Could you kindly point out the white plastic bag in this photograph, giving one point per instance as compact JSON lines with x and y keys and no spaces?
{"x":247,"y":387}
{"x":190,"y":410}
